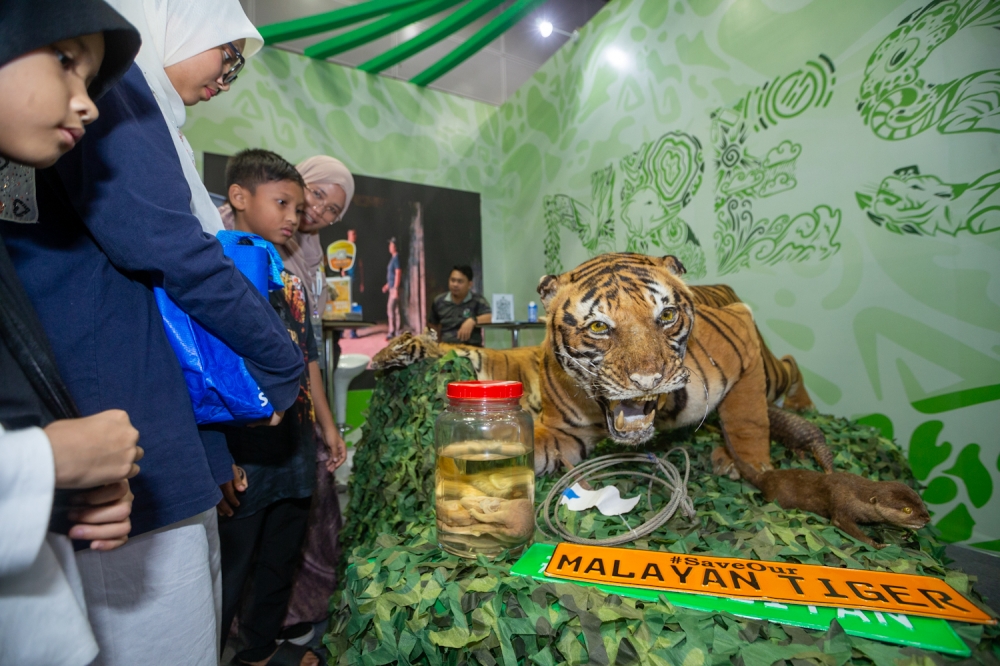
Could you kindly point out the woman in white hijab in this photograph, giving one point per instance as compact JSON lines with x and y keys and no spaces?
{"x":158,"y":599}
{"x":191,"y":51}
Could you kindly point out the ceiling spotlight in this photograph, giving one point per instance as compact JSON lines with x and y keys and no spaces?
{"x":616,"y":57}
{"x":545,"y":28}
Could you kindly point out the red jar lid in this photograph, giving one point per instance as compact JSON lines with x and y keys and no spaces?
{"x":485,"y":390}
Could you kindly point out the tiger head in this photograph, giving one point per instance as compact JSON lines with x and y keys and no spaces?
{"x":908,"y":202}
{"x":619,"y":325}
{"x":406,"y":349}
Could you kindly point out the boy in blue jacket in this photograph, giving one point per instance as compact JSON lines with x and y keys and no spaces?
{"x":262,"y":540}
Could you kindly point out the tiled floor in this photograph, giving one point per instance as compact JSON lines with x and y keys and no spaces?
{"x":234,"y":645}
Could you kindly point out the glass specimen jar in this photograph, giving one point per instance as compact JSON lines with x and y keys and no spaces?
{"x":484,"y":491}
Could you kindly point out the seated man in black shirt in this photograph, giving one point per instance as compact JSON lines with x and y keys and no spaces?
{"x":456,"y":313}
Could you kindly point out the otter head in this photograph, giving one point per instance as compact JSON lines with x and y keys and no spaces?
{"x":619,"y":325}
{"x":899,"y":504}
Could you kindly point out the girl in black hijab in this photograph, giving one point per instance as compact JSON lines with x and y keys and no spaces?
{"x":54,"y":56}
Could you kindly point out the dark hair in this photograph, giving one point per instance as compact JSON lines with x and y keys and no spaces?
{"x":393,"y":241}
{"x":464,"y":270}
{"x":254,"y":166}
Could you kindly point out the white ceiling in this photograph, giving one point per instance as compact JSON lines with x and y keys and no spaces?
{"x":491,"y":75}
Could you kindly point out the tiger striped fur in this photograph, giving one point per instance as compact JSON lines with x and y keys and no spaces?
{"x":782,"y":375}
{"x":626,"y":351}
{"x":520,"y":364}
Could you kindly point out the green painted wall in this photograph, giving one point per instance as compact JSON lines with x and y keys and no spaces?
{"x":836,"y":161}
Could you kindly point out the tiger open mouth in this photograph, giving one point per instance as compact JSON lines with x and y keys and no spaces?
{"x":631,"y":421}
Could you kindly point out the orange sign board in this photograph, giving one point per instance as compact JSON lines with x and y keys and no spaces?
{"x":804,"y":584}
{"x":340,"y":255}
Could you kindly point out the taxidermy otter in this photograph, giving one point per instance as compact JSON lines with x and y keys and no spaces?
{"x":846,"y":499}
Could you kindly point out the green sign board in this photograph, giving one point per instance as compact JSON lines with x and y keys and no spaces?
{"x":912,"y":631}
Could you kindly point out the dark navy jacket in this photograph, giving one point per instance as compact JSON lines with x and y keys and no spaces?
{"x":115,"y":219}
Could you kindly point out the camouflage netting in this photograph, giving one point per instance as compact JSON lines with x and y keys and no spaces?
{"x":407,"y":602}
{"x":392,"y":482}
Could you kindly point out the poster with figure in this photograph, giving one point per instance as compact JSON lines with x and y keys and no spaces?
{"x":434,"y":229}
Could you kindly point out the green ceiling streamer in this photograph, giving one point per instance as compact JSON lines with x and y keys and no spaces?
{"x":458,"y":20}
{"x":478,"y":41}
{"x":307,"y":26}
{"x":377,"y":29}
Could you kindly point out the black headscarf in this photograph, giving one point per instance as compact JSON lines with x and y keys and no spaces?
{"x":31,"y":392}
{"x":27,"y":25}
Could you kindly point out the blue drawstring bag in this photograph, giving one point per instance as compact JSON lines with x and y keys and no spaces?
{"x":221,"y":389}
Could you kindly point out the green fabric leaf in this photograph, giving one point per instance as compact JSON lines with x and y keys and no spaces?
{"x":404,"y":601}
{"x":880,"y":653}
{"x":481,"y":584}
{"x":456,"y":637}
{"x":766,"y":653}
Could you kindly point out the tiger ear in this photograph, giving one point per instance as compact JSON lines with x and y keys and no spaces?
{"x":673,"y":264}
{"x":547,"y":288}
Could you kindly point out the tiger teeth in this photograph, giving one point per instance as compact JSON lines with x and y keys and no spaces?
{"x":642,"y":398}
{"x":634,"y":422}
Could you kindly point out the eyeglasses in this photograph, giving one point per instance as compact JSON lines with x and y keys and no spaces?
{"x":237,"y":67}
{"x":323,"y":207}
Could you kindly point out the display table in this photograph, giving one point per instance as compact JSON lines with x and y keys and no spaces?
{"x":515,"y":327}
{"x":405,"y":601}
{"x":329,"y":326}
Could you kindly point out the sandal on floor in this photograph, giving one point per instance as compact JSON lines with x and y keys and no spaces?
{"x":287,"y":655}
{"x":297,"y":634}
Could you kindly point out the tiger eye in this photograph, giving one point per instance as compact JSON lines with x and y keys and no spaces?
{"x":668,"y":316}
{"x":598,"y":327}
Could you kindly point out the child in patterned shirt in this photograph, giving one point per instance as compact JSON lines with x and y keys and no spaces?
{"x":262,"y":535}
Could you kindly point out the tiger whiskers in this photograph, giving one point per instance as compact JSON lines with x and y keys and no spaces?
{"x":704,"y":386}
{"x":586,"y":359}
{"x":588,"y":388}
{"x":578,"y":363}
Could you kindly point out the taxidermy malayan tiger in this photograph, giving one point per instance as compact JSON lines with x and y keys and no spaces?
{"x":630,"y":348}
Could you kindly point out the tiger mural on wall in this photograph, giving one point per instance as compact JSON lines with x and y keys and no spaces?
{"x":630,"y":348}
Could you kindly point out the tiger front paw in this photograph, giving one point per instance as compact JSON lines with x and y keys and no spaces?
{"x":722,"y":464}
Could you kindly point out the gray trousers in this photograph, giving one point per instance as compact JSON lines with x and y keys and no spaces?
{"x":158,"y":598}
{"x":392,"y":310}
